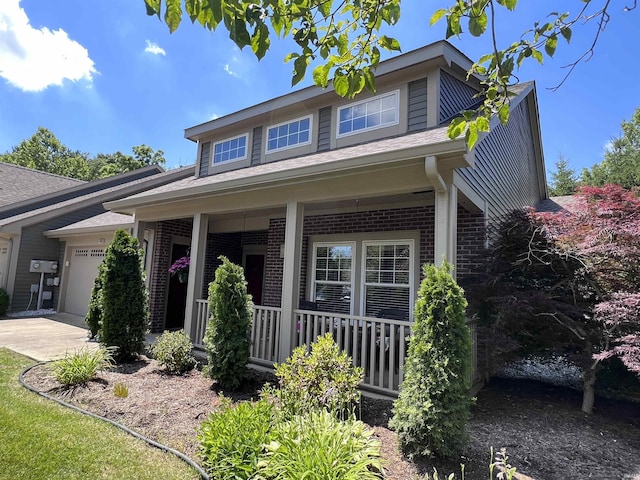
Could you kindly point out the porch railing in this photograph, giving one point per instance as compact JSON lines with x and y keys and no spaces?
{"x":377,"y":345}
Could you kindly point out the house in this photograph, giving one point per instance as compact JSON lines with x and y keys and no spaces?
{"x":43,"y":262}
{"x":332,"y":205}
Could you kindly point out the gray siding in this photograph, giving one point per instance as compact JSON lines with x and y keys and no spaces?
{"x":205,"y":158}
{"x":324,"y":129}
{"x":505,"y":171}
{"x":417,"y":109}
{"x":256,"y":147}
{"x":455,"y":96}
{"x":34,"y":245}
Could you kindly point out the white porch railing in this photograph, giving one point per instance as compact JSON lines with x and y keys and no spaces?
{"x":377,"y":345}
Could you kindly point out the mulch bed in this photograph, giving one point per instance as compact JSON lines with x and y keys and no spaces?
{"x":541,"y":426}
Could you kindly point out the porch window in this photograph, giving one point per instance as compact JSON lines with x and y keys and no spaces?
{"x":333,"y":274}
{"x":377,"y":112}
{"x":387,"y":285}
{"x":230,"y":149}
{"x":287,"y":135}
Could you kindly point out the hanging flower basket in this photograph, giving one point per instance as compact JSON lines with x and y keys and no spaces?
{"x":181,"y":268}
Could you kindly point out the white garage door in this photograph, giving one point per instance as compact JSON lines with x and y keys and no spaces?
{"x":82,"y":270}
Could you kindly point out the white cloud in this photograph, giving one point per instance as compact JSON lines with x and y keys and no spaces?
{"x":33,"y":59}
{"x":607,"y":147}
{"x":154,"y":49}
{"x":227,"y":69}
{"x":213,"y":116}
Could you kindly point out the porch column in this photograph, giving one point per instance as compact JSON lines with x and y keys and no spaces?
{"x":290,"y":277}
{"x":446,"y":216}
{"x":196,"y":270}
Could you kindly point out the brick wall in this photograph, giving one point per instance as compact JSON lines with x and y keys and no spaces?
{"x":160,"y":266}
{"x":471,"y":238}
{"x":417,"y":218}
{"x":227,"y":244}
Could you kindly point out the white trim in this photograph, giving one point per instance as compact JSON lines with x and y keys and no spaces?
{"x":394,"y":93}
{"x":230,"y":139}
{"x":301,"y":144}
{"x":312,"y":289}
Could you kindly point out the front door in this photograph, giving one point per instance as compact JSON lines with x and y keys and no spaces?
{"x":254,"y":274}
{"x":177,"y":294}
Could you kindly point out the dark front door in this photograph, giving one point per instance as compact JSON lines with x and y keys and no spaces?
{"x":254,"y":273}
{"x":177,"y":295}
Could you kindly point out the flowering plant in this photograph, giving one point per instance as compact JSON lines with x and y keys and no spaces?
{"x":180,"y":265}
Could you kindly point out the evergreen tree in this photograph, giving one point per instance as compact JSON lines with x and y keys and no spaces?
{"x":227,"y":336}
{"x":432,"y":411}
{"x":563,"y":180}
{"x":125,"y":314}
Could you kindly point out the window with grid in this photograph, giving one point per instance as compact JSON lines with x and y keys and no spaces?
{"x":231,"y":149}
{"x":370,"y":114}
{"x":387,"y":282}
{"x":287,"y":135}
{"x":333,"y":274}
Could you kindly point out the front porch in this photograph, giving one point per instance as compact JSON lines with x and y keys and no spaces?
{"x":381,"y":355}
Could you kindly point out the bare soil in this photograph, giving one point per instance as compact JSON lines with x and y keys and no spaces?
{"x":541,"y":426}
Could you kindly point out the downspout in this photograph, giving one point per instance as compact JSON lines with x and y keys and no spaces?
{"x":431,"y":169}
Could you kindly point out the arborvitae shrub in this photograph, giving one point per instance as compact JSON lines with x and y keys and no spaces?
{"x":432,"y":410}
{"x":4,"y":301}
{"x":94,"y":314}
{"x":125,"y":314}
{"x":227,"y":336}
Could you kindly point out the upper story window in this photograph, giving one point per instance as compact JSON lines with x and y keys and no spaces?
{"x":377,"y":112}
{"x":290,"y":134}
{"x":230,"y":149}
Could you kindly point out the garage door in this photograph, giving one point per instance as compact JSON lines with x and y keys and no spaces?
{"x":82,"y":270}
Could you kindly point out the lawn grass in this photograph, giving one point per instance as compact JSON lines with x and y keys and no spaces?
{"x":42,"y":440}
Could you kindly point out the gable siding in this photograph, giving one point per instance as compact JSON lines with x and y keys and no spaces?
{"x":35,"y":246}
{"x":256,"y":148}
{"x":455,"y":96}
{"x":505,"y":168}
{"x":417,"y":109}
{"x":324,"y":129}
{"x":205,"y":155}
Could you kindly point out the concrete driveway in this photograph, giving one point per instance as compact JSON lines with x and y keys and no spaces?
{"x":44,"y":338}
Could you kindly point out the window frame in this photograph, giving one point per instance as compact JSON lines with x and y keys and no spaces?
{"x":314,"y":281}
{"x":230,"y":139}
{"x":393,"y":93}
{"x":288,"y":147}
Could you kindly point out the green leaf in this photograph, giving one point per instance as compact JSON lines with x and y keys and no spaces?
{"x":153,"y":7}
{"x":537,"y":54}
{"x":437,"y":16}
{"x":456,"y":127}
{"x":341,"y":84}
{"x":173,"y":14}
{"x":369,"y":79}
{"x":260,"y":41}
{"x":389,"y":43}
{"x":503,"y":113}
{"x":510,"y":4}
{"x":478,"y":24}
{"x":321,"y":75}
{"x":471,"y":136}
{"x":551,"y":44}
{"x":238,"y":32}
{"x":566,"y":33}
{"x":300,"y":68}
{"x":291,"y":56}
{"x":483,"y":124}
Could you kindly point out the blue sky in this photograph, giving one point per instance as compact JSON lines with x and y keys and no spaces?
{"x":103,"y":76}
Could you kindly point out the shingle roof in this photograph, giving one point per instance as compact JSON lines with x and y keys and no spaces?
{"x":110,"y":194}
{"x":102,"y":222}
{"x":18,"y":184}
{"x":564,"y":203}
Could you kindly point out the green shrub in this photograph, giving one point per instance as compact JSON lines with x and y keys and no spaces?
{"x":173,"y":350}
{"x":318,"y":446}
{"x":125,"y":314}
{"x":232,"y":439}
{"x":82,"y":366}
{"x":227,"y":336}
{"x":94,"y":313}
{"x":432,"y":410}
{"x":322,"y":378}
{"x":4,"y":301}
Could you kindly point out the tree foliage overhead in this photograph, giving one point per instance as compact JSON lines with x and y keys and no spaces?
{"x":344,"y":37}
{"x":621,"y":164}
{"x":570,"y":279}
{"x":564,"y":180}
{"x":43,"y":151}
